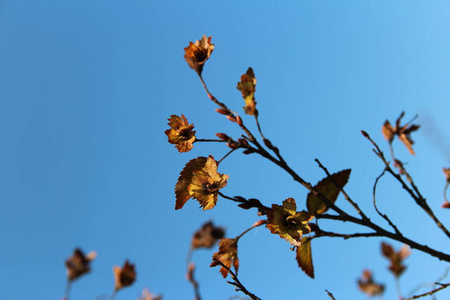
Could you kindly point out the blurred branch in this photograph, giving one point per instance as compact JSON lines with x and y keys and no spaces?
{"x":442,"y":286}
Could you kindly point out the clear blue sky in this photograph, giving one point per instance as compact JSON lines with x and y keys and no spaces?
{"x":86,"y":88}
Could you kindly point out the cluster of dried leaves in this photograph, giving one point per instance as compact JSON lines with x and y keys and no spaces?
{"x":79,"y":264}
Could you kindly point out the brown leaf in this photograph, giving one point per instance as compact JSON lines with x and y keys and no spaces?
{"x":446,"y":173}
{"x":206,"y":184}
{"x":329,"y":189}
{"x":180,"y":133}
{"x":79,"y":264}
{"x":304,"y":257}
{"x":196,"y":54}
{"x":287,"y":222}
{"x":185,"y":179}
{"x":403,"y":132}
{"x":396,"y":259}
{"x":247,"y":86}
{"x":124,"y":276}
{"x":227,"y":255}
{"x":368,"y":285}
{"x":207,"y":236}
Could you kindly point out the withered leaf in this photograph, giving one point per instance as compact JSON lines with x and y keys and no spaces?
{"x":185,"y":179}
{"x":329,"y":189}
{"x":304,"y":257}
{"x":207,"y":236}
{"x":396,"y":258}
{"x":227,"y":255}
{"x":403,"y":132}
{"x":368,"y":285}
{"x":287,"y":222}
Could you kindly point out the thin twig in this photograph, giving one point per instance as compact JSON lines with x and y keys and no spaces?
{"x":67,"y":290}
{"x":414,"y":192}
{"x":229,"y":152}
{"x":239,"y":286}
{"x":445,"y":191}
{"x":345,"y":236}
{"x":384,"y":216}
{"x":330,"y":295}
{"x":394,"y":236}
{"x":442,"y":286}
{"x":209,"y":140}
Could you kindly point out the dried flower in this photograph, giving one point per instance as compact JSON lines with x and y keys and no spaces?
{"x":396,"y":258}
{"x":124,"y":276}
{"x":196,"y":54}
{"x":206,"y":183}
{"x":227,"y":255}
{"x":247,"y":86}
{"x":368,"y":285}
{"x":403,"y":132}
{"x":287,"y":222}
{"x":207,"y":236}
{"x":79,"y":264}
{"x":180,"y":133}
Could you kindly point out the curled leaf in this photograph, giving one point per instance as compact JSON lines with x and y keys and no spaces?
{"x":304,"y":257}
{"x":396,"y":258}
{"x":185,"y":179}
{"x":206,"y":183}
{"x":368,"y":285}
{"x":180,"y":133}
{"x":227,"y":255}
{"x":124,"y":276}
{"x":247,"y":86}
{"x":402,"y":132}
{"x":79,"y":264}
{"x":207,"y":236}
{"x":196,"y":54}
{"x":328,"y":187}
{"x":287,"y":222}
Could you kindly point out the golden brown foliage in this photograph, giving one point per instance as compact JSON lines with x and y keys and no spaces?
{"x":180,"y":133}
{"x":287,"y":222}
{"x":227,"y":255}
{"x":196,"y":54}
{"x":247,"y":86}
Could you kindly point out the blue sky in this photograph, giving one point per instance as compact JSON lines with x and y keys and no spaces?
{"x":86,"y":88}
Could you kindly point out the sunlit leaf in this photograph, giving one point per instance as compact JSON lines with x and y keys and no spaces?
{"x":196,"y":54}
{"x":327,"y":188}
{"x":247,"y":86}
{"x":180,"y":133}
{"x":206,"y":184}
{"x":304,"y":257}
{"x":185,"y":179}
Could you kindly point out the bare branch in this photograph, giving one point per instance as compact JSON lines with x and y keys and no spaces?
{"x":375,"y":204}
{"x":442,"y":286}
